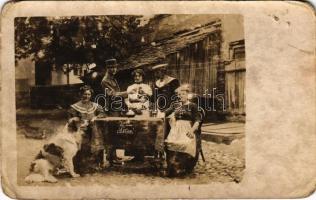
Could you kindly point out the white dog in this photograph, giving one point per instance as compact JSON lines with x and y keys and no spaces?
{"x":58,"y":153}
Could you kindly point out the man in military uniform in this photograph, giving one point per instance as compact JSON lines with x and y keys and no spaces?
{"x":112,"y":91}
{"x":110,"y":86}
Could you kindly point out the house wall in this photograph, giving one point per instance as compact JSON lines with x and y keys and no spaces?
{"x":203,"y":64}
{"x":25,"y":80}
{"x":235,"y":72}
{"x":60,"y":78}
{"x":232,"y":26}
{"x":167,"y":26}
{"x":235,"y":77}
{"x":197,"y":64}
{"x":24,"y":75}
{"x":232,"y":30}
{"x":235,"y":85}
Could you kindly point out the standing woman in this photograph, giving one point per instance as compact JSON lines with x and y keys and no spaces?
{"x":164,"y":86}
{"x":181,"y":142}
{"x":90,"y":156}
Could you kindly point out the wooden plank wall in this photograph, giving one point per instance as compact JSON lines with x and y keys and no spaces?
{"x":235,"y":87}
{"x":197,"y":64}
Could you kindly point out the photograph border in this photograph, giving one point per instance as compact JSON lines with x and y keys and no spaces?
{"x":273,"y":70}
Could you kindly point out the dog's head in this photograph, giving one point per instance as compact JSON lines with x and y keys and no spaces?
{"x":74,"y":124}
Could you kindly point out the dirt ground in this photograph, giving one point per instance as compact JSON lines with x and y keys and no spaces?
{"x":224,"y":163}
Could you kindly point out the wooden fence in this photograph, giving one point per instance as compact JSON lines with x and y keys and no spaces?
{"x":50,"y":96}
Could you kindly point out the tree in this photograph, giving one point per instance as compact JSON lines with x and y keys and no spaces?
{"x":60,"y":40}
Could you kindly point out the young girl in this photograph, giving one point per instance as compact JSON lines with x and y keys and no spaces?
{"x":138,"y":95}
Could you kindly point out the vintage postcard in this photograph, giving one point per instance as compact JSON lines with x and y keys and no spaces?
{"x":155,"y":99}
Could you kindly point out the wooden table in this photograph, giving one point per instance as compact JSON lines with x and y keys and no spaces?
{"x":135,"y":132}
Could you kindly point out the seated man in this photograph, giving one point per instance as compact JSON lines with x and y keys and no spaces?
{"x":138,"y":95}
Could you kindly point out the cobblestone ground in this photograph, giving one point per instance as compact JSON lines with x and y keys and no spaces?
{"x":224,"y":163}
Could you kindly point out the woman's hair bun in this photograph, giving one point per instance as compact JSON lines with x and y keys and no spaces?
{"x":138,"y":71}
{"x":85,"y":88}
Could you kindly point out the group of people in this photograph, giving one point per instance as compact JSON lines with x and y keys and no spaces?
{"x":172,"y":103}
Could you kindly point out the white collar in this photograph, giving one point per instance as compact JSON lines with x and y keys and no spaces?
{"x":79,"y":106}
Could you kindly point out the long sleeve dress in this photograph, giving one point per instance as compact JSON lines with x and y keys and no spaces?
{"x":93,"y":141}
{"x":181,"y":149}
{"x":165,"y":88}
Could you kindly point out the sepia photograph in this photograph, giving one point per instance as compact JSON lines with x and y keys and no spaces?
{"x":122,"y":99}
{"x":157,"y":99}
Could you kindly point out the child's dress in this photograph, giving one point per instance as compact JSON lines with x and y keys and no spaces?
{"x":138,"y":97}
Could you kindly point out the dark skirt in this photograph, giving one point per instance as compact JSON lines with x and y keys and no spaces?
{"x":179,"y":163}
{"x":90,"y":156}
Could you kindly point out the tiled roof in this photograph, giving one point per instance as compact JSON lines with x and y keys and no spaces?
{"x":157,"y":51}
